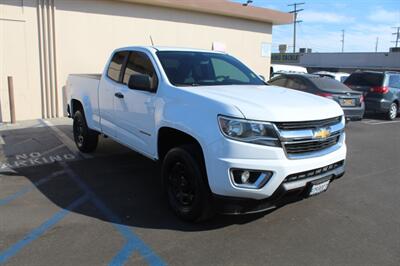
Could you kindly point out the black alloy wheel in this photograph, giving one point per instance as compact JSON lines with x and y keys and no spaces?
{"x":184,"y":179}
{"x":85,"y":139}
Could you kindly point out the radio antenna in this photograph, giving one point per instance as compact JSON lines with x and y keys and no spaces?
{"x":151,"y":39}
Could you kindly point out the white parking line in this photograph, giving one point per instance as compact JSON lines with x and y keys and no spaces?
{"x":377,"y":122}
{"x":66,"y":140}
{"x":2,"y":140}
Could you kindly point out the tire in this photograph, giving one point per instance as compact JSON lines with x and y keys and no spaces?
{"x":85,"y":139}
{"x":184,"y":179}
{"x":392,"y":113}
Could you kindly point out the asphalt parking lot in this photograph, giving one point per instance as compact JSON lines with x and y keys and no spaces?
{"x":59,"y":207}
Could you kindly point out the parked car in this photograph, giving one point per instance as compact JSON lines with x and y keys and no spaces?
{"x":339,"y":76}
{"x":276,"y":69}
{"x":352,"y":102}
{"x":381,"y":91}
{"x":227,"y":141}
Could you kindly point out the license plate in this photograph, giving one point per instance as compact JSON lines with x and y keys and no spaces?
{"x":319,"y":188}
{"x":347,"y":102}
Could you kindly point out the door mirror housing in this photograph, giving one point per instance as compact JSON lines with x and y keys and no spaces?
{"x":140,"y":82}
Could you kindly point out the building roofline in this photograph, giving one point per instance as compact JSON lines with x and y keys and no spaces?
{"x":223,"y":8}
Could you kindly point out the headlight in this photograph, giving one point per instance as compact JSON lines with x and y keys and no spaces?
{"x":249,"y":131}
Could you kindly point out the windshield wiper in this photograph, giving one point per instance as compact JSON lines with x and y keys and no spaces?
{"x":187,"y":84}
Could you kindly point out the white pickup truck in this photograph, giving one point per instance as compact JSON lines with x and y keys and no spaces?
{"x":227,"y":141}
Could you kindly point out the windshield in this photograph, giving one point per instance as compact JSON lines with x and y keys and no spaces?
{"x":205,"y":69}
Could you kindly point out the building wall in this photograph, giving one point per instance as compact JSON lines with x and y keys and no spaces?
{"x":342,"y":61}
{"x":53,"y":38}
{"x":19,"y":58}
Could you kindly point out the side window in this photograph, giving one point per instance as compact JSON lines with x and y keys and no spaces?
{"x":394,"y":81}
{"x":114,"y":69}
{"x":301,"y":85}
{"x":296,"y":84}
{"x":224,"y":69}
{"x":139,"y":63}
{"x":278,"y":82}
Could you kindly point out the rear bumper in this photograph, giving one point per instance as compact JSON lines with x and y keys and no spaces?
{"x":377,"y":105}
{"x":283,"y":195}
{"x":355,"y":113}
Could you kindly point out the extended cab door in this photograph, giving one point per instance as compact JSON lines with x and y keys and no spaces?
{"x":111,"y":78}
{"x":134,"y":107}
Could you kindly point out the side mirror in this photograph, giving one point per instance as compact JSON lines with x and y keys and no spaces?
{"x":140,"y":82}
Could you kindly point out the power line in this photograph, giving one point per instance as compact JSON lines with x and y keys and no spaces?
{"x":342,"y":40}
{"x":397,"y":33}
{"x":295,"y":11}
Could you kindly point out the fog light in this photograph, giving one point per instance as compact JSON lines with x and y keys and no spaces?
{"x":245,"y":177}
{"x":250,"y":178}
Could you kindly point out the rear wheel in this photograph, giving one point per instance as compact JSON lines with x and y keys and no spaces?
{"x":392,"y":113}
{"x":85,"y":139}
{"x":184,"y":181}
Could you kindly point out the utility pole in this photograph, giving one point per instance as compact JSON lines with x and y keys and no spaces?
{"x":397,"y":33}
{"x":295,"y":11}
{"x":376,"y":44}
{"x":248,"y":2}
{"x":342,"y":41}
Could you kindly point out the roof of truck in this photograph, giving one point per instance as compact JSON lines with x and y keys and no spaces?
{"x":168,"y":48}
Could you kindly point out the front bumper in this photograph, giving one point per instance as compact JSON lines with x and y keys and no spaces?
{"x":225,"y":154}
{"x":283,"y":195}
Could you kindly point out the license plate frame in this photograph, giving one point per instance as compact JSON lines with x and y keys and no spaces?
{"x":348,"y":102}
{"x":318,"y":186}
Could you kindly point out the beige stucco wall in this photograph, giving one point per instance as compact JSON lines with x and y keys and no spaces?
{"x":87,"y":31}
{"x":19,"y":58}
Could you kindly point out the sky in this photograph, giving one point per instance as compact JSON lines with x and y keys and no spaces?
{"x":323,"y":22}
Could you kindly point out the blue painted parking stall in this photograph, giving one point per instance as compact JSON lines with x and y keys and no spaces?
{"x":31,"y":161}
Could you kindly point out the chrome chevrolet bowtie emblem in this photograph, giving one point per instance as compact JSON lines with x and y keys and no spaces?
{"x":322,"y":133}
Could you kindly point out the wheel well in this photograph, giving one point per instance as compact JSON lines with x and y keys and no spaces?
{"x":397,"y":103}
{"x":169,"y":138}
{"x":76,"y":106}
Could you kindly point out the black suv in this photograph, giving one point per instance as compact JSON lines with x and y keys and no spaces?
{"x":352,"y":102}
{"x":381,"y":91}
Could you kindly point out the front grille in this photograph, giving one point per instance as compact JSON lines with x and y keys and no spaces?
{"x":311,"y":146}
{"x":314,"y":172}
{"x":308,"y":124}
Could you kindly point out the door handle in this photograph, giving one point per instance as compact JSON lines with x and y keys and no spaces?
{"x":119,"y":95}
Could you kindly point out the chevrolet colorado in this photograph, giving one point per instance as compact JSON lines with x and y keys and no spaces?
{"x":227,"y":141}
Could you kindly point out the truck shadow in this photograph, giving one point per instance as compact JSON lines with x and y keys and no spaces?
{"x":127,"y":184}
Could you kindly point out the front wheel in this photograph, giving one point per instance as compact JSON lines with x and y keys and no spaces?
{"x":184,"y":182}
{"x":392,"y":113}
{"x":85,"y":139}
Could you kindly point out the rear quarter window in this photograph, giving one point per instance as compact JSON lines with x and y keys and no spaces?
{"x":394,"y":81}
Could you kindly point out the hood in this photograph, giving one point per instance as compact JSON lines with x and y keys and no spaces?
{"x":271,"y":103}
